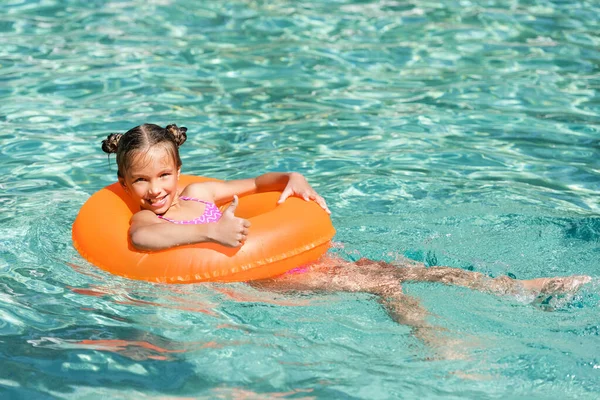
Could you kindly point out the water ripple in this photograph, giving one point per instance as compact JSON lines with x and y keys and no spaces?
{"x":460,"y":132}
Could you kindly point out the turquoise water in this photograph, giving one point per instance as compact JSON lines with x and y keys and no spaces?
{"x":460,"y":133}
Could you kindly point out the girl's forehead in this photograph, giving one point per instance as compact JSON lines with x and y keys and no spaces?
{"x":154,"y":157}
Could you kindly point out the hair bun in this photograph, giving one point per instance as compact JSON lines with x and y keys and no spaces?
{"x":179,"y":134}
{"x":111,"y":143}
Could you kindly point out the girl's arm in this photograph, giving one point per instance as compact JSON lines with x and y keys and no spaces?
{"x":147,"y":233}
{"x":290,"y":183}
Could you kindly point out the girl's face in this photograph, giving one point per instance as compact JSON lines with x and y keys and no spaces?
{"x":152,"y":179}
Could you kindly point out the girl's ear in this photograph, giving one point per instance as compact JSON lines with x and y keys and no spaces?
{"x":178,"y":172}
{"x":123,"y":185}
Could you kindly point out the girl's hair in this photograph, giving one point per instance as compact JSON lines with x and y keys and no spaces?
{"x":141,"y":138}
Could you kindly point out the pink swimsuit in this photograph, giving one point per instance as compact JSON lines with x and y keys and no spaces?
{"x":211,"y":213}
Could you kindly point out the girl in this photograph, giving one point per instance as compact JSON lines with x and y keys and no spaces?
{"x":149,"y":167}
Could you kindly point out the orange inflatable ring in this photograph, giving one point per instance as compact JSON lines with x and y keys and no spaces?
{"x":281,"y":238}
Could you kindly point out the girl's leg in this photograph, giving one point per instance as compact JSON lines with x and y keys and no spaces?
{"x":374,"y":277}
{"x":384,"y":280}
{"x":364,"y":275}
{"x":499,"y":285}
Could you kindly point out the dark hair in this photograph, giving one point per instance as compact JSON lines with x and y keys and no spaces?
{"x":142,"y":138}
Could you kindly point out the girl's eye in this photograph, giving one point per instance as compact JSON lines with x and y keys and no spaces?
{"x":165,"y":175}
{"x":138,"y":180}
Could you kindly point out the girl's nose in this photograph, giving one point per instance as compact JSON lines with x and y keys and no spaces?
{"x":154,"y":189}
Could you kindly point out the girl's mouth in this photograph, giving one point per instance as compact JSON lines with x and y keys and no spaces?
{"x":157,"y":202}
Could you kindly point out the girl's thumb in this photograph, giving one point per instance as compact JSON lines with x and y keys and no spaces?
{"x":233,"y":205}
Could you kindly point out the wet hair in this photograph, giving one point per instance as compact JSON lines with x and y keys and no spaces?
{"x":142,"y":138}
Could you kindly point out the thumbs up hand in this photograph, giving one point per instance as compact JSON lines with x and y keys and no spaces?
{"x":231,"y":231}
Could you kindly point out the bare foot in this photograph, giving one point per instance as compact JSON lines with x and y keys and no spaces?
{"x":567,"y":284}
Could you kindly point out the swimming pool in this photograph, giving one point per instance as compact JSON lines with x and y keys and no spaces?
{"x":461,"y":133}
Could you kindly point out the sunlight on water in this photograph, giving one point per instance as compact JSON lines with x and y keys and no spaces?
{"x":461,"y":133}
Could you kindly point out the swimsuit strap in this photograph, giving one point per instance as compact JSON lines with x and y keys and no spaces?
{"x":211,"y":213}
{"x":187,"y":198}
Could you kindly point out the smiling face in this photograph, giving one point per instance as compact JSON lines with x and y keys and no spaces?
{"x":151,"y":179}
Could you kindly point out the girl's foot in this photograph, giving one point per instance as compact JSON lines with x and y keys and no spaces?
{"x":567,"y":284}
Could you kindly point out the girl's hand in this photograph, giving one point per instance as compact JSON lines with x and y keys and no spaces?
{"x":231,"y":231}
{"x":298,"y":186}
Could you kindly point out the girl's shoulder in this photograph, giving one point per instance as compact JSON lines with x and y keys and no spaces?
{"x":199,"y":190}
{"x":143,"y":216}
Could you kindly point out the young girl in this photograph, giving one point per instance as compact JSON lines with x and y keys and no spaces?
{"x":149,"y":167}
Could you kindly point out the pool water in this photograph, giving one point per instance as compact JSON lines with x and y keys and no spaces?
{"x":460,"y":133}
